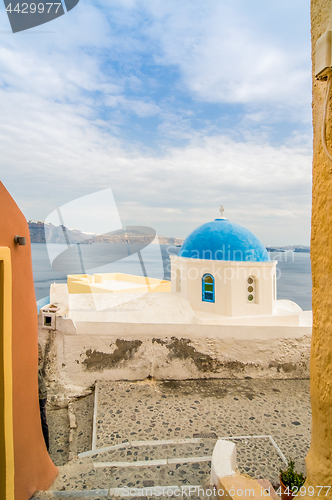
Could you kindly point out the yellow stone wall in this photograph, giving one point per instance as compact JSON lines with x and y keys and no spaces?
{"x":319,"y":459}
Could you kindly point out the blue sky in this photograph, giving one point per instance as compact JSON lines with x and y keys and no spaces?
{"x":177,"y":106}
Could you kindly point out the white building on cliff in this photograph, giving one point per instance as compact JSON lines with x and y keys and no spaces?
{"x":221,"y":306}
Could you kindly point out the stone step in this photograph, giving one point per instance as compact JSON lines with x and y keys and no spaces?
{"x":151,"y":450}
{"x":79,"y":476}
{"x":256,"y":456}
{"x":197,"y":411}
{"x":195,"y":492}
{"x":99,"y":469}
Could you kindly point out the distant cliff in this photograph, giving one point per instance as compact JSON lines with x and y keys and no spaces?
{"x":290,"y":248}
{"x":55,"y":234}
{"x":36,"y":229}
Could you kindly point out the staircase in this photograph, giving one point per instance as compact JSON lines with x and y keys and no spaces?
{"x":148,"y":448}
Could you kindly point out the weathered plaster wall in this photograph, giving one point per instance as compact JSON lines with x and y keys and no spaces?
{"x":319,"y":459}
{"x":85,"y":352}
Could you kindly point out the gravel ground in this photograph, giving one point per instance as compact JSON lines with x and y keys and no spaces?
{"x":58,"y":425}
{"x":204,"y":409}
{"x":84,"y":415}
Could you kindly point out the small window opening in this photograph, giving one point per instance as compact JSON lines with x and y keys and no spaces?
{"x":251,"y":289}
{"x":47,"y":321}
{"x":208,"y":288}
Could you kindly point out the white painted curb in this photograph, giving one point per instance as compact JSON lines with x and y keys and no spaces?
{"x":223,"y":461}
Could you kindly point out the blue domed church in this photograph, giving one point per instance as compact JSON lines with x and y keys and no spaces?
{"x":219,"y":317}
{"x":223,"y":269}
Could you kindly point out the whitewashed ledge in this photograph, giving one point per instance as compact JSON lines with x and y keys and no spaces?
{"x":159,"y":336}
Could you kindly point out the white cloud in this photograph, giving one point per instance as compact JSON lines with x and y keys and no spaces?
{"x":228,"y":55}
{"x":63,"y":103}
{"x":138,"y":107}
{"x":55,"y":161}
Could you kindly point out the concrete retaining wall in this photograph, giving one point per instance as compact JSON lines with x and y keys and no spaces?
{"x":81,"y":353}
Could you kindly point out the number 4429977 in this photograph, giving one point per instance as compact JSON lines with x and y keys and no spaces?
{"x":32,"y":8}
{"x":306,"y":491}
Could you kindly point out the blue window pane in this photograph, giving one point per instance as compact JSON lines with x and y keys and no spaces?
{"x":208,"y":288}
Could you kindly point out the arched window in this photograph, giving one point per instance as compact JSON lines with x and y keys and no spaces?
{"x":251,"y":288}
{"x":208,"y":288}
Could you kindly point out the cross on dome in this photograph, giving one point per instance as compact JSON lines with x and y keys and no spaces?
{"x":221,"y":210}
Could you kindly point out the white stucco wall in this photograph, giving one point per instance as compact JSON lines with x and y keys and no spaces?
{"x":83,"y":352}
{"x":163,"y":308}
{"x":134,"y":336}
{"x":231,"y":285}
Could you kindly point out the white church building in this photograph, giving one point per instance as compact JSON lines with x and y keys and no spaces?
{"x":226,"y":275}
{"x":218,"y":317}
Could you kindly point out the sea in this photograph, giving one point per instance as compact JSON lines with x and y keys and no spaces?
{"x":293,"y":268}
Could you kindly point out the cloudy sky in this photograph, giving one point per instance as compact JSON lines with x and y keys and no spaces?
{"x":176,"y":105}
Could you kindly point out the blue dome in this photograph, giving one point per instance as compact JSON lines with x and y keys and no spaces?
{"x":223,"y":240}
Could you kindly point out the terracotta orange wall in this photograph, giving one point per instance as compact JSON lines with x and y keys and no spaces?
{"x":34,"y":469}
